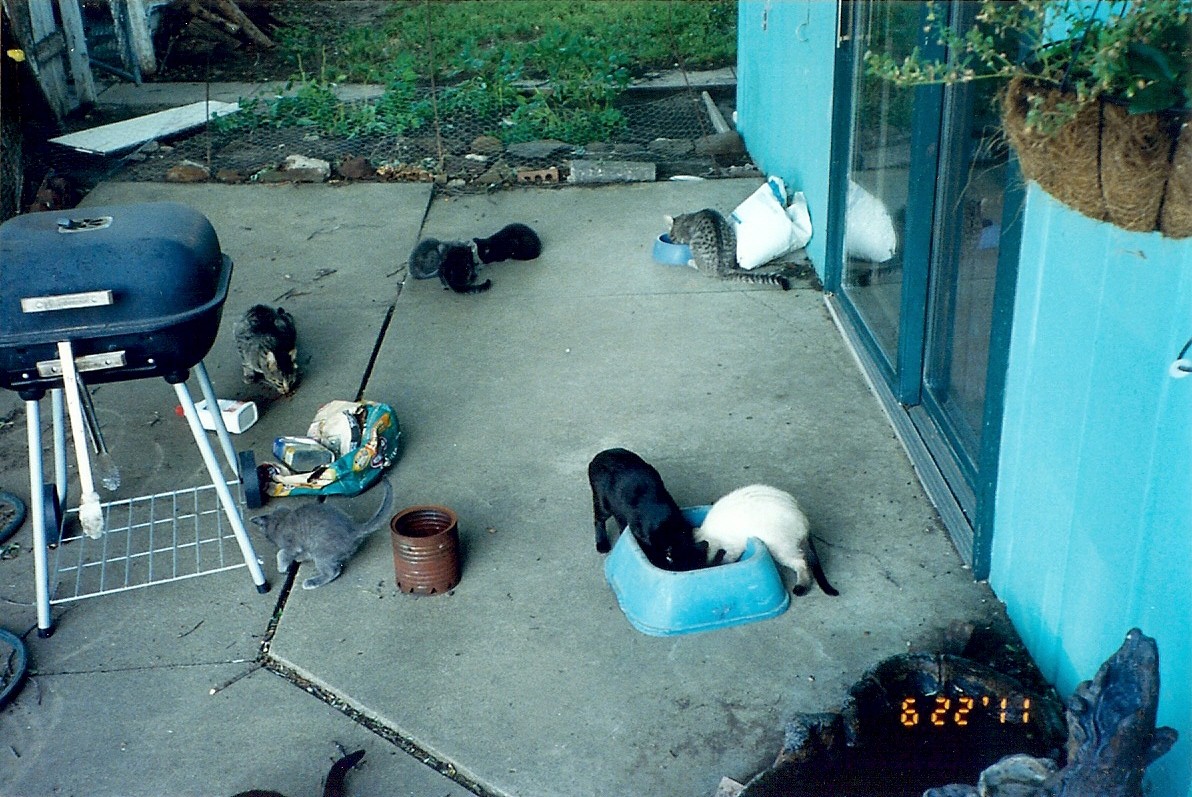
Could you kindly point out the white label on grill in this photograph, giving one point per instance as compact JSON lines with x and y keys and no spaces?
{"x":65,"y":301}
{"x":88,"y":362}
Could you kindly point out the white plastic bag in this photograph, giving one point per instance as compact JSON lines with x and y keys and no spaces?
{"x":869,"y":231}
{"x":766,"y":227}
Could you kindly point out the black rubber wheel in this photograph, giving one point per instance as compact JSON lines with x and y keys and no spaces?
{"x":51,"y":514}
{"x":12,"y":676}
{"x":12,"y":515}
{"x":250,"y":479}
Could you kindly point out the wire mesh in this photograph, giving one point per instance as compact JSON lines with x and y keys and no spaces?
{"x":147,"y":540}
{"x":463,"y":150}
{"x":469,"y":118}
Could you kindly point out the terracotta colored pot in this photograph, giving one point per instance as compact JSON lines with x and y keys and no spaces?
{"x":425,"y":549}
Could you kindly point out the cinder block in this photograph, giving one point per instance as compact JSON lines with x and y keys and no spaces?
{"x":593,"y":171}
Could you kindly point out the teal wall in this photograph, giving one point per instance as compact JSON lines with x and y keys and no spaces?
{"x":785,"y":55}
{"x":1093,"y":525}
{"x":1093,"y":513}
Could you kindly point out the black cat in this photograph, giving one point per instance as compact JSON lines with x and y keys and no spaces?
{"x":334,"y":787}
{"x":511,"y":242}
{"x":629,"y":489}
{"x":457,"y":269}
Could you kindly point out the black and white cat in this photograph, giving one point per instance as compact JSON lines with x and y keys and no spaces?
{"x":774,"y":517}
{"x":713,"y":243}
{"x":457,"y":269}
{"x":267,"y":341}
{"x":321,"y":534}
{"x":626,"y":487}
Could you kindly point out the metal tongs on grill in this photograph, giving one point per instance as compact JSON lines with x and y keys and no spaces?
{"x":90,"y":510}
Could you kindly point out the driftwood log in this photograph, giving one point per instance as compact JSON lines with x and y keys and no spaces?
{"x":1112,"y":737}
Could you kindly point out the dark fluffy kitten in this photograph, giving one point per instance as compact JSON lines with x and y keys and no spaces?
{"x":628,"y":488}
{"x":268,"y":344}
{"x":511,"y":242}
{"x":457,"y":269}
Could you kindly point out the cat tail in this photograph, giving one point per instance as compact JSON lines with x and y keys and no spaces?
{"x":817,"y":570}
{"x":777,"y":280}
{"x":381,"y":516}
{"x":339,"y":773}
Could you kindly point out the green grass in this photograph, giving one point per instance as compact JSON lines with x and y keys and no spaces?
{"x":481,"y":53}
{"x":533,"y":38}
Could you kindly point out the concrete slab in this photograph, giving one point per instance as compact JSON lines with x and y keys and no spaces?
{"x":527,"y":677}
{"x":328,"y":256}
{"x":145,"y":732}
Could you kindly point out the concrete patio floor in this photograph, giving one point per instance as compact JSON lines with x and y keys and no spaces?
{"x":526,"y":679}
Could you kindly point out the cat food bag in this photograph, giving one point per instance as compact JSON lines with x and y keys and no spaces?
{"x":364,"y":437}
{"x":767,"y":227}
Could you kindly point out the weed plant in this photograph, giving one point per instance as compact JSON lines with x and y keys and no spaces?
{"x":527,"y":68}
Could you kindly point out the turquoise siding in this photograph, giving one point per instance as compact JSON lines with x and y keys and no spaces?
{"x":1093,"y":526}
{"x":785,"y":55}
{"x":1093,"y":514}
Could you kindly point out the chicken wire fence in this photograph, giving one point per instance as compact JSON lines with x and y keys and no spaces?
{"x":670,"y":129}
{"x":466,"y":130}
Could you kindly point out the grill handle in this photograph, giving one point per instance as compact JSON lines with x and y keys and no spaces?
{"x":66,"y":301}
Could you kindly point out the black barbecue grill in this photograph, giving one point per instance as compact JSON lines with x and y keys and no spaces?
{"x":137,"y":289}
{"x":128,"y":292}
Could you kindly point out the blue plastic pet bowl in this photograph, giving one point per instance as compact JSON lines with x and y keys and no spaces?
{"x":665,"y":603}
{"x":669,"y":253}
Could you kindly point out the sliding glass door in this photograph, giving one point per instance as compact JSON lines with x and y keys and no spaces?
{"x":921,"y":185}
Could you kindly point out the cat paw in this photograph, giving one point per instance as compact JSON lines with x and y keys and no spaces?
{"x":314,"y":582}
{"x":603,"y":547}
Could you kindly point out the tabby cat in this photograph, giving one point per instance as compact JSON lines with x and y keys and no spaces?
{"x":267,"y":341}
{"x":713,"y":243}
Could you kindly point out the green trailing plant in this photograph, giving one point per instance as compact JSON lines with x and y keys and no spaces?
{"x":1131,"y":52}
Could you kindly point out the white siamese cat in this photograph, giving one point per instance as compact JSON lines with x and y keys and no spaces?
{"x":774,"y":517}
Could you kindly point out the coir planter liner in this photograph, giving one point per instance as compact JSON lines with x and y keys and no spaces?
{"x":425,"y":549}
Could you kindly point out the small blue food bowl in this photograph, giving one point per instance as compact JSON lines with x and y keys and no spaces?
{"x":669,"y":253}
{"x":665,"y":603}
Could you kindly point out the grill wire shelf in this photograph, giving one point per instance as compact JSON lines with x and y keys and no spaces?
{"x":152,"y":539}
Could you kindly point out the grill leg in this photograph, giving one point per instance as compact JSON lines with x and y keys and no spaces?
{"x":37,"y":506}
{"x":58,"y":408}
{"x":221,"y":486}
{"x":221,"y":429}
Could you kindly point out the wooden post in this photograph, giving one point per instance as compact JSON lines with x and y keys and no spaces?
{"x":140,"y":40}
{"x":76,"y":49}
{"x":44,"y":46}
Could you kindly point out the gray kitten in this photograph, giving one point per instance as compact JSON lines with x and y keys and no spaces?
{"x":713,"y":243}
{"x":321,"y":534}
{"x":268,"y":344}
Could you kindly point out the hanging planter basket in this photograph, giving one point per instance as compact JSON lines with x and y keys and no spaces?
{"x":1132,"y":170}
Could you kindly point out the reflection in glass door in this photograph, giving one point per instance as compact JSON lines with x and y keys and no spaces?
{"x":970,"y":191}
{"x":922,"y":193}
{"x":879,"y":177}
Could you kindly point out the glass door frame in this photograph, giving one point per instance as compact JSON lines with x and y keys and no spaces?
{"x":964,"y":492}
